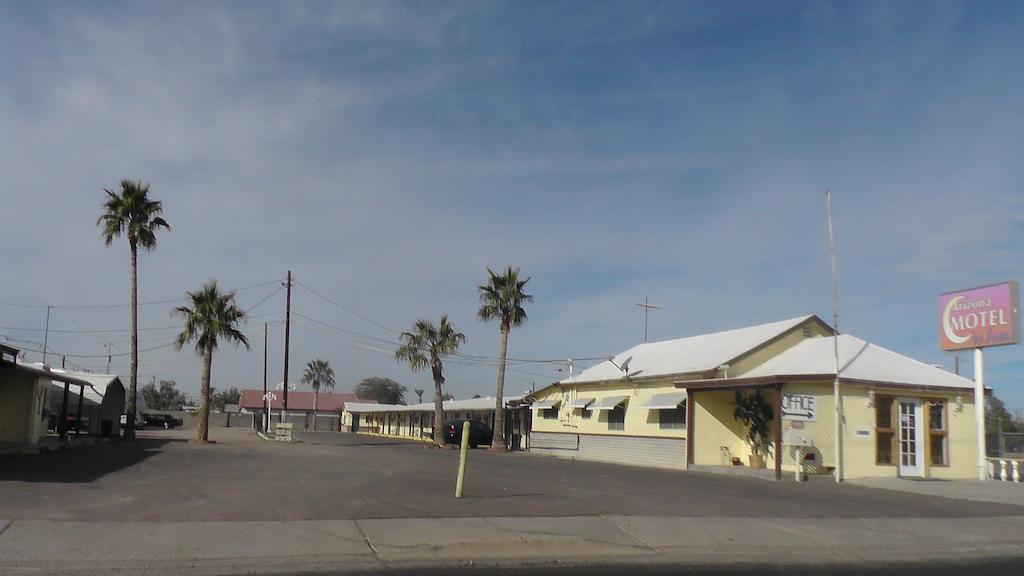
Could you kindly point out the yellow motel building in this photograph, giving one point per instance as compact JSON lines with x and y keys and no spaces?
{"x":673,"y":403}
{"x":416,"y":421}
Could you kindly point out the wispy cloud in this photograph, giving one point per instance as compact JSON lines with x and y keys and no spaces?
{"x":388,"y":152}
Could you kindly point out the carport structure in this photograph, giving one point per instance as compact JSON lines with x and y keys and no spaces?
{"x":26,"y":395}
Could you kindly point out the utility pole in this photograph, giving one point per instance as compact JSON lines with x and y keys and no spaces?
{"x":266,"y":415}
{"x":647,"y":308}
{"x":109,"y":345}
{"x":287,"y":332}
{"x":956,"y":364}
{"x":837,"y":397}
{"x":46,"y":334}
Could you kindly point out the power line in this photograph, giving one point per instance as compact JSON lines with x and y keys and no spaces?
{"x":464,"y":359}
{"x":346,"y":310}
{"x":106,"y":306}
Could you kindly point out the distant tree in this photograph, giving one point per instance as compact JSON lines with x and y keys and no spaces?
{"x":166,"y":397}
{"x":219,"y":399}
{"x":426,"y":346}
{"x":318,"y":374}
{"x":998,"y":417}
{"x":383,"y":390}
{"x":133,"y":214}
{"x":475,"y":396}
{"x":502,"y":299}
{"x":447,"y":396}
{"x":419,"y":395}
{"x":213,"y":316}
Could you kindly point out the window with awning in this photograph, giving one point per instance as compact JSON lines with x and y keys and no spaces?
{"x":548,"y":408}
{"x":609,"y":403}
{"x":671,"y":407}
{"x":580,"y":403}
{"x":666,"y":401}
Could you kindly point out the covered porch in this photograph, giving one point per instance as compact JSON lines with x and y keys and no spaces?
{"x":717,"y":440}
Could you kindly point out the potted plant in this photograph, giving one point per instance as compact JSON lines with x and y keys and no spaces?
{"x":756,"y":416}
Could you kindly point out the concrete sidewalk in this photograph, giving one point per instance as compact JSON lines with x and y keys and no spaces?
{"x":978,"y":490}
{"x":216,"y":548}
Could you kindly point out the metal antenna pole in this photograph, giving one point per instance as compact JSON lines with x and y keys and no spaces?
{"x":287,"y":333}
{"x":837,"y":397}
{"x":647,"y":307}
{"x":46,"y":334}
{"x":266,"y":415}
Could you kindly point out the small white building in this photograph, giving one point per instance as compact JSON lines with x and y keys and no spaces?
{"x":29,"y":391}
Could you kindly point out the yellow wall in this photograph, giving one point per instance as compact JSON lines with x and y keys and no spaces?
{"x":859,"y":450}
{"x":639,"y":421}
{"x":22,"y":398}
{"x":821,"y":431}
{"x":714,"y":428}
{"x":761,"y":355}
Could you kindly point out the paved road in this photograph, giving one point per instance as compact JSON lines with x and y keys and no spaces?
{"x":342,"y":476}
{"x":999,"y":567}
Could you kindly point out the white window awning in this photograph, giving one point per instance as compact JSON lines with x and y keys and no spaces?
{"x":667,"y":401}
{"x":609,"y":403}
{"x":580,"y":403}
{"x":544,"y":404}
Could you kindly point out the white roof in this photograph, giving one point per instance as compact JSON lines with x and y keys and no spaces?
{"x":544,"y":404}
{"x":95,"y":384}
{"x":687,"y":355}
{"x":485,"y":403}
{"x":858,"y":360}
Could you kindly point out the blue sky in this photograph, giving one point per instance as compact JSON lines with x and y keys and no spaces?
{"x":388,"y":152}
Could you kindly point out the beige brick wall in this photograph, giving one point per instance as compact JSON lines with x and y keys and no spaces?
{"x":634,"y":450}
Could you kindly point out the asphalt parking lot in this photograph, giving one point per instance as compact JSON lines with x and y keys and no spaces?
{"x":333,"y":476}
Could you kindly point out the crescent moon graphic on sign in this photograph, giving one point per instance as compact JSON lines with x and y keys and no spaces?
{"x":947,"y":328}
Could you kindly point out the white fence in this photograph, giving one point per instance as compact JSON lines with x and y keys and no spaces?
{"x":1006,"y":469}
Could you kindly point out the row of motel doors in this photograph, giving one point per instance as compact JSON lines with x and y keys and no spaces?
{"x":911,"y":433}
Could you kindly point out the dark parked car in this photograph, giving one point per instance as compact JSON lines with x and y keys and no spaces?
{"x":161,"y":420}
{"x":479,"y":433}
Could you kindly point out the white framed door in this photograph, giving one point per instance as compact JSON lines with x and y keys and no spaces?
{"x":911,"y":437}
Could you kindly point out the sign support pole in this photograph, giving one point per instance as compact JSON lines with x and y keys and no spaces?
{"x":979,"y":411}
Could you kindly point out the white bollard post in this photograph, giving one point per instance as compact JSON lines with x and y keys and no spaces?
{"x":1016,"y":470}
{"x":1004,"y":468}
{"x":798,"y":464}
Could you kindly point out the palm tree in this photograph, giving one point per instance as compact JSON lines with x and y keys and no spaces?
{"x":419,"y":395}
{"x":318,"y":374}
{"x":425,"y":347}
{"x":503,"y":298}
{"x":132,"y":213}
{"x":213,"y":316}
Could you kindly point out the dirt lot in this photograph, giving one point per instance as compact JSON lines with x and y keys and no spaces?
{"x":334,"y":475}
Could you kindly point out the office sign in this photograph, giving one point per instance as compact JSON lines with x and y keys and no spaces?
{"x":980,"y":317}
{"x":799,"y":407}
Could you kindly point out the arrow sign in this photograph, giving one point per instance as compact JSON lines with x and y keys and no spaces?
{"x":800,"y":407}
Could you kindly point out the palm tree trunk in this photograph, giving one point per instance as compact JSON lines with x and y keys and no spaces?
{"x":438,"y":413}
{"x":203,"y":429}
{"x":316,"y":392}
{"x":133,"y":386}
{"x":498,"y":440}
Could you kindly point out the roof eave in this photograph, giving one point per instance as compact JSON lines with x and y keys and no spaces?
{"x":727,"y":383}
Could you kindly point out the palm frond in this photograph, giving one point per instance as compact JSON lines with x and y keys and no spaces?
{"x":212,"y":316}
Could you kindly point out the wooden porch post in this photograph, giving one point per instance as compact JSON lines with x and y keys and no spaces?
{"x":62,"y":427}
{"x":778,"y":431}
{"x":689,"y":427}
{"x":78,"y":416}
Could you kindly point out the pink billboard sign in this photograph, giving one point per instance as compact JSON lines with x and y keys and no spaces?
{"x":980,"y":317}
